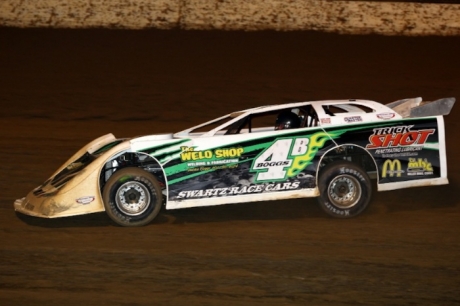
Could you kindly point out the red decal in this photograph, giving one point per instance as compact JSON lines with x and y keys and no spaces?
{"x":398,"y":136}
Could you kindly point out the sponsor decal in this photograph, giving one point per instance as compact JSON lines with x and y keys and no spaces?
{"x":238,"y":190}
{"x":195,"y":167}
{"x":209,"y":158}
{"x":385,"y":116}
{"x":419,"y":166}
{"x":392,"y":168}
{"x":325,"y":120}
{"x":189,"y":153}
{"x":353,"y":119}
{"x":398,"y":136}
{"x":399,"y":151}
{"x":85,"y":200}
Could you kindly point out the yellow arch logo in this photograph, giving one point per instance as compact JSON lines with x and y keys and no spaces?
{"x":391,"y":167}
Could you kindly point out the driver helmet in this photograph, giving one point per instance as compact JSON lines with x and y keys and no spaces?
{"x":287,"y":120}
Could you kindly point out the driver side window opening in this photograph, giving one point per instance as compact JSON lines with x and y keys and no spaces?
{"x":263,"y":122}
{"x":334,"y":109}
{"x":210,"y":126}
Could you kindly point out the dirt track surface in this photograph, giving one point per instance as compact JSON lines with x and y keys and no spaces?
{"x":59,"y":89}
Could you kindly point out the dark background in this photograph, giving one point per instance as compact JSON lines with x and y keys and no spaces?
{"x":59,"y":89}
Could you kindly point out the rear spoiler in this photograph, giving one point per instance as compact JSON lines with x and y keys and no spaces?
{"x":415,"y":107}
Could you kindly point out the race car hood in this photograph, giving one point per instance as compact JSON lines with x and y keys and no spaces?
{"x":100,"y":143}
{"x":138,"y":143}
{"x":105,"y":143}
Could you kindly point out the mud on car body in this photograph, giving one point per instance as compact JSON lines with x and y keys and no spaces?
{"x":334,"y":150}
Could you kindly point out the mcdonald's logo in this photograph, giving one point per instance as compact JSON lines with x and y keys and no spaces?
{"x":391,"y":167}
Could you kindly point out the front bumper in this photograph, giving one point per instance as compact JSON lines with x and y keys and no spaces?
{"x":25,"y":207}
{"x":42,"y":207}
{"x":58,"y":205}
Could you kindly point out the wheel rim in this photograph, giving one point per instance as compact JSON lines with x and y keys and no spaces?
{"x":132,"y":198}
{"x":344,"y":191}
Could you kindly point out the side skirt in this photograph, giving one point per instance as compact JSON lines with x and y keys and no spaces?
{"x":415,"y":183}
{"x":294,"y":194}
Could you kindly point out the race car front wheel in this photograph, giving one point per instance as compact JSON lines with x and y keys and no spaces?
{"x":345,"y":189}
{"x":132,"y":197}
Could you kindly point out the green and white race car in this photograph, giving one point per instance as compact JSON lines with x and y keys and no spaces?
{"x":327,"y":149}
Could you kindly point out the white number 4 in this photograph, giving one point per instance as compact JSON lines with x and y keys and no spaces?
{"x":271,"y":164}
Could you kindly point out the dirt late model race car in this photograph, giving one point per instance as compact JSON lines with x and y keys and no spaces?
{"x":327,"y":149}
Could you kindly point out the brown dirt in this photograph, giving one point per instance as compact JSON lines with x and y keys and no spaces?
{"x":61,"y":88}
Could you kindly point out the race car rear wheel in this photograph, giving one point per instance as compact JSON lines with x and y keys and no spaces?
{"x":345,"y":189}
{"x":132,"y":197}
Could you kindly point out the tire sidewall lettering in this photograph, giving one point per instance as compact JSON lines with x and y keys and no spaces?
{"x":114,"y":184}
{"x":335,"y":210}
{"x":344,"y":168}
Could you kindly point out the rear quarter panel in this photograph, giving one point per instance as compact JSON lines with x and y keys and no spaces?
{"x":407,"y":152}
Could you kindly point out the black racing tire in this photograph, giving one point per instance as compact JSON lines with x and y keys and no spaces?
{"x":345,"y":189}
{"x":132,"y":197}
